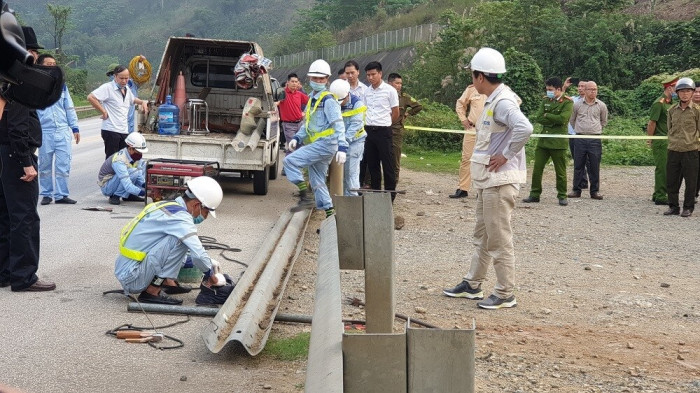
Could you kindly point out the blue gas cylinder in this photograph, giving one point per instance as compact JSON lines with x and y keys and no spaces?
{"x":168,"y":118}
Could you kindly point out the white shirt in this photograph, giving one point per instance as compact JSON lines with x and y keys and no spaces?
{"x":359,"y":90}
{"x":379,"y":102}
{"x":116,"y":105}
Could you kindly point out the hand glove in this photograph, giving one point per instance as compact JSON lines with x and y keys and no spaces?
{"x":340,"y":157}
{"x":219,"y":280}
{"x":142,"y":193}
{"x":292,"y":144}
{"x":215,"y":266}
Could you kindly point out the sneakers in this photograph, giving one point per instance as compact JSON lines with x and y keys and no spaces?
{"x":114,"y":200}
{"x":464,"y":290}
{"x":306,"y":201}
{"x":494,"y":302}
{"x":563,"y":202}
{"x":161,"y":298}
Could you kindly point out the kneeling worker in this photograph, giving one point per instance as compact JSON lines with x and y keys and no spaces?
{"x":154,"y":245}
{"x":123,"y":173}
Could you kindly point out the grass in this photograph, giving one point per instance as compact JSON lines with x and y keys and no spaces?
{"x":288,"y":349}
{"x":418,"y":159}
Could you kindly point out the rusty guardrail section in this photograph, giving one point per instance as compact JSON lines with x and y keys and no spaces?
{"x":248,"y":313}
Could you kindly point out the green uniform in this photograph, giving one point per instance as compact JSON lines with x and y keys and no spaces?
{"x":407,"y":105}
{"x":554,"y":116}
{"x":659,"y":147}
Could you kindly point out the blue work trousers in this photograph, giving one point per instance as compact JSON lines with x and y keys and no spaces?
{"x":317,"y":157}
{"x":351,"y":177}
{"x":115,"y":187}
{"x":54,"y":163}
{"x":164,"y":260}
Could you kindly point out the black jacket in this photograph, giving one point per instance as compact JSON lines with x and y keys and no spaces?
{"x":21,"y":130}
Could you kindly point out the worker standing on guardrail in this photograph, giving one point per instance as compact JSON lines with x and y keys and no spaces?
{"x":59,"y":126}
{"x":659,"y":147}
{"x":498,"y":169}
{"x":323,"y":136}
{"x":354,"y":119}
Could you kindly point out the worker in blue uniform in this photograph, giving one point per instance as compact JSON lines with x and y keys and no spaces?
{"x":323,"y":136}
{"x":353,"y":112}
{"x":123,"y":173}
{"x":59,"y":126}
{"x":154,"y":245}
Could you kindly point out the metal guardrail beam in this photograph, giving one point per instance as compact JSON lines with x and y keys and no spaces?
{"x":84,"y":108}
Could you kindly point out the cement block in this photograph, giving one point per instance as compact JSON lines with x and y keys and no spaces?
{"x":374,"y":363}
{"x":350,"y":224}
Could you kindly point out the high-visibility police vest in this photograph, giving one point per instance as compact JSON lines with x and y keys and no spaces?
{"x":353,"y":112}
{"x":128,"y":228}
{"x":311,"y":135}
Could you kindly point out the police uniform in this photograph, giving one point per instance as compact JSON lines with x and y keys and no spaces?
{"x":682,"y":163}
{"x":659,"y":147}
{"x":554,"y":116}
{"x":407,"y":105}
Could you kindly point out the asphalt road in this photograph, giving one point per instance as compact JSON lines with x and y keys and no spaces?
{"x":56,"y":342}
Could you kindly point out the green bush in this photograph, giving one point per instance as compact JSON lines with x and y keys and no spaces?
{"x":645,"y":94}
{"x":76,"y":80}
{"x":524,"y":77}
{"x":435,"y":115}
{"x":616,"y":105}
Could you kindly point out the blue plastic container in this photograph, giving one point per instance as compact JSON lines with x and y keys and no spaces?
{"x":168,"y":118}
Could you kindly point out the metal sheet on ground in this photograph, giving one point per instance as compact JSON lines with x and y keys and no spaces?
{"x":349,"y":216}
{"x":440,"y":360}
{"x":379,"y":262}
{"x":374,"y":363}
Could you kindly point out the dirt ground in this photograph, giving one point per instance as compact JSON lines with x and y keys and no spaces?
{"x":606,"y":289}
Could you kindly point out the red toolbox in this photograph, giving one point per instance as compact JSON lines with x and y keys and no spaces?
{"x":166,"y":178}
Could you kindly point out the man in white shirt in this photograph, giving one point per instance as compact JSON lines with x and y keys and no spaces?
{"x":352,"y":75}
{"x":382,"y":103}
{"x":113,"y":100}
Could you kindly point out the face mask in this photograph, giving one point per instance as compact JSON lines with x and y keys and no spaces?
{"x":674,"y":95}
{"x":317,"y":86}
{"x":199,"y":219}
{"x":550,"y":95}
{"x":136,"y":156}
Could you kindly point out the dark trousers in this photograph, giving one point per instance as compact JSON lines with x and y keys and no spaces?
{"x":584,"y":182}
{"x":19,"y":223}
{"x":379,"y":157}
{"x":587,"y":156}
{"x":114,"y":142}
{"x":364,"y":174}
{"x":682,"y":166}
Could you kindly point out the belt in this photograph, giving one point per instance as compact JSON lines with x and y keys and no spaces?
{"x":297,"y":121}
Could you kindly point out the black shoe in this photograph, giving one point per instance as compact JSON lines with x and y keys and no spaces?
{"x":463,"y":289}
{"x":133,"y":198}
{"x":660,"y":203}
{"x":176,"y":289}
{"x":563,"y":202}
{"x":459,"y":194}
{"x":46,"y":200}
{"x":114,"y":200}
{"x":531,"y":199}
{"x":4,"y":284}
{"x":672,"y":211}
{"x":66,"y":200}
{"x":687,"y":213}
{"x":146,"y":297}
{"x":306,"y":201}
{"x":574,"y":194}
{"x":597,"y":196}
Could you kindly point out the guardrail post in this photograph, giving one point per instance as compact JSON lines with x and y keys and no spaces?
{"x":379,"y":262}
{"x":351,"y":244}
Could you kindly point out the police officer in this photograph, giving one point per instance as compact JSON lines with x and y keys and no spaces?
{"x":323,"y":136}
{"x":554,"y":113}
{"x":407,"y":107}
{"x":657,"y":126}
{"x":154,"y":245}
{"x":123,"y":173}
{"x":353,"y":110}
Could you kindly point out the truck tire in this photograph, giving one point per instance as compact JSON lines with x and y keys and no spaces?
{"x":261,"y":180}
{"x":274,"y":169}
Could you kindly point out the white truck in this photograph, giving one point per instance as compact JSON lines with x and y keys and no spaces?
{"x":208,"y":69}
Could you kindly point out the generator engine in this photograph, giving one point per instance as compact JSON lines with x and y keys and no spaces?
{"x":167,"y":178}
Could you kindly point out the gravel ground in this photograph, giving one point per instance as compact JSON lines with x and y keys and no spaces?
{"x":606,"y":289}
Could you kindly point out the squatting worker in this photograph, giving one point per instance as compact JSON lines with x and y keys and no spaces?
{"x":554,"y":114}
{"x":657,"y":126}
{"x":323,"y":136}
{"x":589,"y":117}
{"x":382,"y":102}
{"x":498,"y":169}
{"x":154,"y":245}
{"x":20,"y":137}
{"x":59,"y":127}
{"x":353,"y":112}
{"x":123,"y":174}
{"x":407,"y":107}
{"x":113,"y":100}
{"x":683,"y":145}
{"x":291,"y":106}
{"x":468,"y":107}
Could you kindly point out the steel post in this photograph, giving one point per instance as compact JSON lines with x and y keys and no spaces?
{"x":379,"y":262}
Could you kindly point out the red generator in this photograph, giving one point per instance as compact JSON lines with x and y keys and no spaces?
{"x":167,"y":178}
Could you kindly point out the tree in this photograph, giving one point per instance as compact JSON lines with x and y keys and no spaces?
{"x":60,"y":23}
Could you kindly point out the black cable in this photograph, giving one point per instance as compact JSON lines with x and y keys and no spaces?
{"x":211,"y":243}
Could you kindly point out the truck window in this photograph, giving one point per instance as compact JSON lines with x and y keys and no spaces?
{"x":220,"y":76}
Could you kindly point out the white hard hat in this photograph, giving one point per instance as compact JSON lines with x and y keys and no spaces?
{"x":489,"y":61}
{"x":340,"y":89}
{"x":208,"y":191}
{"x":137,"y":141}
{"x":685,"y":83}
{"x":319,"y":68}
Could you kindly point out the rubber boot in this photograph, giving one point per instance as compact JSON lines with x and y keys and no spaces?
{"x":306,"y":201}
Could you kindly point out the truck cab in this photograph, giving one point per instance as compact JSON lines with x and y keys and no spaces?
{"x":211,"y":129}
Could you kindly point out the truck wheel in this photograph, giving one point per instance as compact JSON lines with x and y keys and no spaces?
{"x":261,"y":180}
{"x":275,"y":167}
